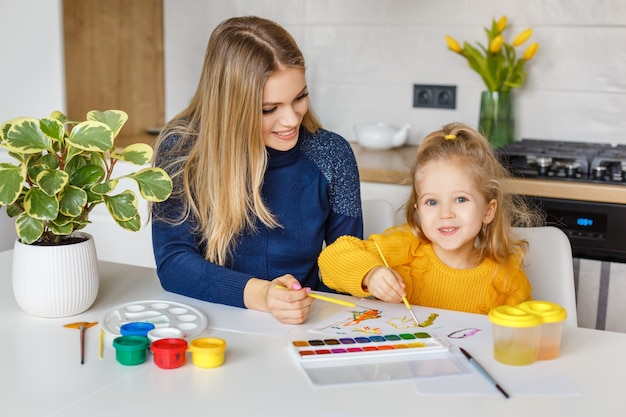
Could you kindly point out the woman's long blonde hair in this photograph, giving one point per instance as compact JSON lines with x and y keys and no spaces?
{"x":461,"y":144}
{"x":219,"y":162}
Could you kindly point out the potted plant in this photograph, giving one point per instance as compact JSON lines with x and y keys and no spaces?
{"x":64,"y":169}
{"x":502,"y":70}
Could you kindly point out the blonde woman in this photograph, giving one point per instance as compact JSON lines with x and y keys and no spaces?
{"x":259,"y":186}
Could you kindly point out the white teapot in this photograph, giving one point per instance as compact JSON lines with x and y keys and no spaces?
{"x":381,"y":135}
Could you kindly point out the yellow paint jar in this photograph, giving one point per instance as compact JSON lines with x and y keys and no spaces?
{"x":207,"y":352}
{"x":516,"y":335}
{"x":553,"y":316}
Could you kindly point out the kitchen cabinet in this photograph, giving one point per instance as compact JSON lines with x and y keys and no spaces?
{"x":114,"y":60}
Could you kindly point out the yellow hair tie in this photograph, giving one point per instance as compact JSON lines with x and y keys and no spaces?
{"x":449,"y":137}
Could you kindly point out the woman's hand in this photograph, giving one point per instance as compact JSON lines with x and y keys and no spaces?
{"x":385,"y":284}
{"x":283,"y":297}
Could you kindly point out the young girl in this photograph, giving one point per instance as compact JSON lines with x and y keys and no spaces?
{"x":456,"y":250}
{"x":259,"y":186}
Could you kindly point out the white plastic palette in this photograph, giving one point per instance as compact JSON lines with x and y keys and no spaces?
{"x":161,"y":313}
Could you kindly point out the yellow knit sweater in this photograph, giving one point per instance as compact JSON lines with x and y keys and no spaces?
{"x":429,"y":282}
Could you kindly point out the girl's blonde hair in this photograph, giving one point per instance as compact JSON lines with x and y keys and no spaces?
{"x":219,"y":161}
{"x":461,"y":144}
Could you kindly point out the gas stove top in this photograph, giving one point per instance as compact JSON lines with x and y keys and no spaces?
{"x":566,"y":161}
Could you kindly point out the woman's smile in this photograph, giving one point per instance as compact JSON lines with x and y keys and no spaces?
{"x":285,"y":102}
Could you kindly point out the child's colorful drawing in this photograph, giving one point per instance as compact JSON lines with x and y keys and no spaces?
{"x":368,"y":330}
{"x":372,"y":321}
{"x":430,"y":320}
{"x":404,"y":322}
{"x":359,"y":316}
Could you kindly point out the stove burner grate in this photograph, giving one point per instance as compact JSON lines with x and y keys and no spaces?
{"x":569,"y":161}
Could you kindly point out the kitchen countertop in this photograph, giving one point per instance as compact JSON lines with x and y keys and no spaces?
{"x":393,"y":166}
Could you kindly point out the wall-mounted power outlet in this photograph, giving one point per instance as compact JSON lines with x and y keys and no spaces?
{"x":434,"y":96}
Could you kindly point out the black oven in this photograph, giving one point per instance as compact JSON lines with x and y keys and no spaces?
{"x":596,"y":230}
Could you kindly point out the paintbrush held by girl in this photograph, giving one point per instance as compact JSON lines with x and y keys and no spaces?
{"x":456,"y":250}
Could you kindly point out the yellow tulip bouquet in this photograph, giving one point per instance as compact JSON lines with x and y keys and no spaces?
{"x":497,"y":63}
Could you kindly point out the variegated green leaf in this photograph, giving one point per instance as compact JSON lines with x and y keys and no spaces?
{"x":62,"y":220}
{"x":87,"y":176}
{"x":11,"y":182}
{"x":72,"y":152}
{"x":48,"y":160}
{"x":93,"y":198}
{"x":136,"y":153}
{"x":39,"y":205}
{"x":34,"y":168}
{"x":154,"y":184}
{"x":52,"y":128}
{"x":61,"y":230}
{"x":52,"y":181}
{"x":58,"y":115}
{"x":133,"y":224}
{"x":14,"y":210}
{"x":105,"y":187}
{"x":115,"y":119}
{"x":28,"y":229}
{"x":4,"y":128}
{"x":75,"y":164}
{"x":91,"y":136}
{"x":26,"y":137}
{"x":72,"y":201}
{"x":123,"y":206}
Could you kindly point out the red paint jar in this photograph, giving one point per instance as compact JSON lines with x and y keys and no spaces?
{"x":169,"y":353}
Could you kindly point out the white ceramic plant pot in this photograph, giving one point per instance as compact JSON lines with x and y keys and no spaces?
{"x":55,"y":281}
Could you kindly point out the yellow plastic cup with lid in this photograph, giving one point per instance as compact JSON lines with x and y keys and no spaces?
{"x":207,"y":352}
{"x":553,"y":316}
{"x":516,"y":335}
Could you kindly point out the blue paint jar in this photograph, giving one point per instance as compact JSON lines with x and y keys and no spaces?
{"x":139,"y":328}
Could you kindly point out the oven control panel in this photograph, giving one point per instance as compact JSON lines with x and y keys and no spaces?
{"x":596,"y":230}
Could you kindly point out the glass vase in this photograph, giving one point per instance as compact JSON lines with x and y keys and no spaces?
{"x":497,"y":118}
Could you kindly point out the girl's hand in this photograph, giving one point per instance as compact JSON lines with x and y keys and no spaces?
{"x":283,"y":297}
{"x":385,"y":284}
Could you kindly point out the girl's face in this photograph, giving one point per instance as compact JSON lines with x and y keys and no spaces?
{"x":285,"y":102}
{"x":452,"y":211}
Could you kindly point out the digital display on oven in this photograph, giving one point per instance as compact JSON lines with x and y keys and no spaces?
{"x":579,"y":221}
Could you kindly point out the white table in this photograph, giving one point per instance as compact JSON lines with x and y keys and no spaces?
{"x":41,"y":374}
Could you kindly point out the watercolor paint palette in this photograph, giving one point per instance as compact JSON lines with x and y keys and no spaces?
{"x":359,"y":359}
{"x":161,"y":313}
{"x":375,"y":346}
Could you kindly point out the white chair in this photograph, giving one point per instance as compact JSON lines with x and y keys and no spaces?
{"x":550,"y":267}
{"x":378,"y":215}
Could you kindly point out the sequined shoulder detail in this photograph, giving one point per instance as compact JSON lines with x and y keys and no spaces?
{"x":335,"y":159}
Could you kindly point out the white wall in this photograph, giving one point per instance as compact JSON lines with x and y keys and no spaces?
{"x":32,"y":80}
{"x":7,"y":231}
{"x":365,"y":55}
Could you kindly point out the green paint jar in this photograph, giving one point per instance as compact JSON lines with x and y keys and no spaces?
{"x":131,"y":350}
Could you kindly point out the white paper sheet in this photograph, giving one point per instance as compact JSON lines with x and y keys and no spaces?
{"x":543,"y":378}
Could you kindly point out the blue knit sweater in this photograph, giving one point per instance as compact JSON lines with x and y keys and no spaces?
{"x":312,"y":189}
